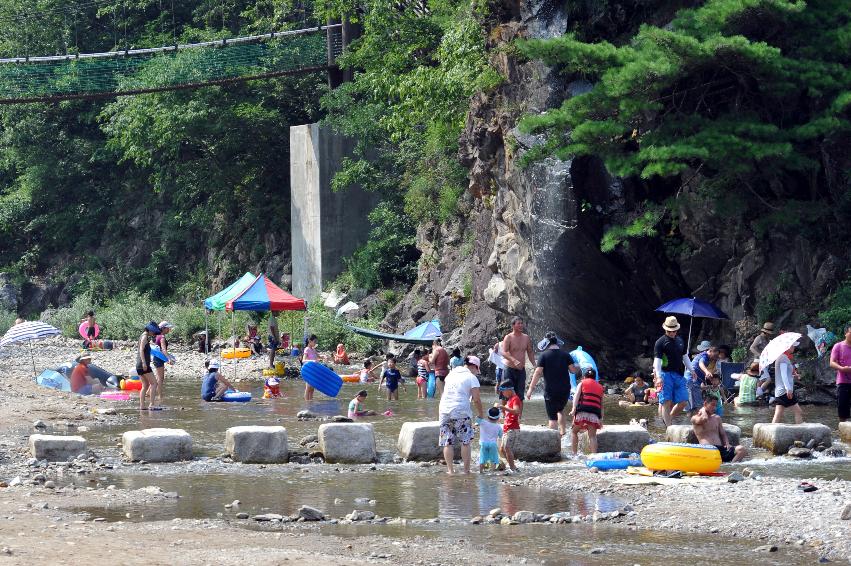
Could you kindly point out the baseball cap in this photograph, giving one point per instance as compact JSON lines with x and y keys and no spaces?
{"x":214,"y":364}
{"x":473,"y":360}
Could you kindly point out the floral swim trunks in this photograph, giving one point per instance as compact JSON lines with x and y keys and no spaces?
{"x":453,"y":431}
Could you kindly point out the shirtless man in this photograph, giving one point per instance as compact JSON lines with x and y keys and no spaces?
{"x":516,"y":346}
{"x":709,"y":430}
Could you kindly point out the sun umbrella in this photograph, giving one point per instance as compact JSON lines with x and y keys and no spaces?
{"x":776,"y":347}
{"x":425,"y":331}
{"x":29,"y":332}
{"x":693,"y":308}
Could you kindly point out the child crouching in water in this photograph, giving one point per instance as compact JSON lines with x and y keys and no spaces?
{"x":356,"y":408}
{"x":490,"y":432}
{"x":272,"y":388}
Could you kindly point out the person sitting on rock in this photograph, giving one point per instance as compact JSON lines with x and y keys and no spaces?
{"x":638,"y":391}
{"x":709,"y":429}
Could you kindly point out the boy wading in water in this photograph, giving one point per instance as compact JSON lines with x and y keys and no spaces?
{"x":709,"y":430}
{"x":512,"y":407}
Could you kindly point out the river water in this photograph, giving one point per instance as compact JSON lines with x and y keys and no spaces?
{"x":409,"y":490}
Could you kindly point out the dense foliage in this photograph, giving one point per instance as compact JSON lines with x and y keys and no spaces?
{"x":151,"y":193}
{"x":751,"y":96}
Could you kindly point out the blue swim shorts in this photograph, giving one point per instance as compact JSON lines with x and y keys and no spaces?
{"x":674,"y":388}
{"x":488,"y":453}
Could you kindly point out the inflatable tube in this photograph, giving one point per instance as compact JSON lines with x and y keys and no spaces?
{"x":613,"y":463}
{"x":84,"y":326}
{"x":107,"y":378}
{"x":231,"y":353}
{"x":353,"y":378}
{"x":131,"y":384}
{"x":115,"y":396}
{"x":431,"y":386}
{"x":584,"y":360}
{"x":53,"y":380}
{"x":696,"y":458}
{"x":321,"y":378}
{"x":236,"y":397}
{"x":158,"y":354}
{"x":97,"y":345}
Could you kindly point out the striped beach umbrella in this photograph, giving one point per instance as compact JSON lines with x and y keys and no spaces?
{"x":29,"y":332}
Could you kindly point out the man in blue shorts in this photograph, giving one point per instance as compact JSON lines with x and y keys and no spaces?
{"x":669,"y":363}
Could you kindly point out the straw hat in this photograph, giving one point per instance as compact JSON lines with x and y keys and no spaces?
{"x":768,"y":328}
{"x":671,"y":324}
{"x":753,"y":369}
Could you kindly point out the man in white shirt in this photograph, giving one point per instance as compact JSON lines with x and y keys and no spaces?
{"x":455,"y":413}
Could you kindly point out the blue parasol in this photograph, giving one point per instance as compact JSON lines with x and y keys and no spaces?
{"x":692,"y":307}
{"x":425,"y":331}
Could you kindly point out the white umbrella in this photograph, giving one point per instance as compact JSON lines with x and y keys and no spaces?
{"x":776,"y":347}
{"x":29,"y":332}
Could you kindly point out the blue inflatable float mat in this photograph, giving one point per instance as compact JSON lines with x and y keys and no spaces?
{"x":236,"y":397}
{"x":321,"y":378}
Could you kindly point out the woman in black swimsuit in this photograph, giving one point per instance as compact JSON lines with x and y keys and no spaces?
{"x":143,"y":365}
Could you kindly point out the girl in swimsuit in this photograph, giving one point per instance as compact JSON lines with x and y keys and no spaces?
{"x":143,"y":365}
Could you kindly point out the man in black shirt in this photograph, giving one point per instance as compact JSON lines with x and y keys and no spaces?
{"x":555,"y":365}
{"x":669,"y":363}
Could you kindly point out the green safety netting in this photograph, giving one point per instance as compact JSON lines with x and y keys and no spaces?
{"x":162,"y":70}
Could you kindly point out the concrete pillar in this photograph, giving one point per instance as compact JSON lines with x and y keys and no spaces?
{"x":327,"y":226}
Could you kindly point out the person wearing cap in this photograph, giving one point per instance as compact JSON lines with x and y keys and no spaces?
{"x":784,"y":388}
{"x":82,"y":382}
{"x":702,"y":368}
{"x":840,"y":360}
{"x":455,"y":414}
{"x":669,"y":363}
{"x":747,"y":385}
{"x":214,"y":384}
{"x":159,"y":365}
{"x":761,"y":341}
{"x":556,"y":366}
{"x":511,"y":405}
{"x":272,"y":388}
{"x":516,"y":347}
{"x":587,"y":411}
{"x":143,"y":365}
{"x":489,"y":435}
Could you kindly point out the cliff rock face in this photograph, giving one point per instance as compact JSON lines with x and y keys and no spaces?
{"x":528,"y":239}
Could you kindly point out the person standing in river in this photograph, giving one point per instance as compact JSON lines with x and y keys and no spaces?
{"x":516,"y":347}
{"x":143,"y":365}
{"x":455,"y":414}
{"x":840,"y":360}
{"x":159,"y":365}
{"x":555,"y":365}
{"x":439,"y":360}
{"x":669,"y":363}
{"x":273,"y":338}
{"x":784,"y":387}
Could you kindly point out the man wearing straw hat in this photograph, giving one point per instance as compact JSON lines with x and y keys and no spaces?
{"x":759,"y":343}
{"x":669,"y":363}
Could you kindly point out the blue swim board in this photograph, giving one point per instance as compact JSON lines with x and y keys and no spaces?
{"x":431,"y":385}
{"x":321,"y":378}
{"x":158,"y":354}
{"x":236,"y":397}
{"x":53,"y":380}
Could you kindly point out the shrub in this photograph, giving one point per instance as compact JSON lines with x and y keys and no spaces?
{"x":838,"y":309}
{"x":7,"y":319}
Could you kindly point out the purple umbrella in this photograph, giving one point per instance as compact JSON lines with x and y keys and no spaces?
{"x":693,"y":308}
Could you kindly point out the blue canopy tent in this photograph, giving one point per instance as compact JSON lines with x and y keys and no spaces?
{"x":692,"y":307}
{"x":424,"y":333}
{"x":218,"y":302}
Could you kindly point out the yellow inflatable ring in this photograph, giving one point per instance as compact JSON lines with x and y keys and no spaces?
{"x":231,"y":353}
{"x":353,"y":378}
{"x":696,"y":458}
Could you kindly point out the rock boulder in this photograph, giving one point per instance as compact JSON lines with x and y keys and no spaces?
{"x":535,"y":444}
{"x":56,"y":448}
{"x":418,"y":442}
{"x":347,"y":443}
{"x":778,"y":438}
{"x":618,"y":438}
{"x":257,"y":444}
{"x":157,"y":445}
{"x":685,"y":434}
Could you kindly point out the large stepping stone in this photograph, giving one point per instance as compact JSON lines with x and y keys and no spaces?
{"x":617,"y":438}
{"x":157,"y":445}
{"x":778,"y":438}
{"x":56,"y":448}
{"x":535,"y":444}
{"x":419,"y":442}
{"x":685,"y":434}
{"x":347,"y":443}
{"x":257,"y":444}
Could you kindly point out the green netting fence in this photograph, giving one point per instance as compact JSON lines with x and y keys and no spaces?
{"x":169,"y":68}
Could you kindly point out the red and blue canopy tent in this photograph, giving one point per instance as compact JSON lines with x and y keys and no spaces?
{"x":262,"y":295}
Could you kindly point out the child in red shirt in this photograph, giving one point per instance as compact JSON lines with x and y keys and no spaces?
{"x":512,"y":407}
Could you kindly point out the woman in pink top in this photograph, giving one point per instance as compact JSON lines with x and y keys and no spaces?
{"x":840,"y":360}
{"x":310,"y":355}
